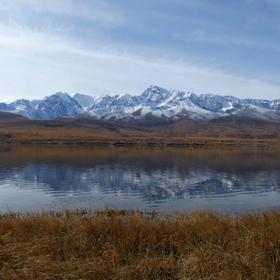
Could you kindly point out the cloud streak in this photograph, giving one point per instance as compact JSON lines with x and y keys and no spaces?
{"x":51,"y":63}
{"x":93,"y":10}
{"x":38,"y":59}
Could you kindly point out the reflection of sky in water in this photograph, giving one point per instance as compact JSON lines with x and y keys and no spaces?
{"x":144,"y":184}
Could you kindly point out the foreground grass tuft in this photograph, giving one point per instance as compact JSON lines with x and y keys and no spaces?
{"x":134,"y":245}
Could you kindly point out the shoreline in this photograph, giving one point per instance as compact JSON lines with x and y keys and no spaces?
{"x":194,"y":142}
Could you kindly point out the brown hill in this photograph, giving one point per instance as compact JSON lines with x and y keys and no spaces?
{"x":9,"y":117}
{"x":229,"y":126}
{"x":16,"y":129}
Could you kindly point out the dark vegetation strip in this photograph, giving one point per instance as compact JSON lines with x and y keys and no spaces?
{"x":191,"y":143}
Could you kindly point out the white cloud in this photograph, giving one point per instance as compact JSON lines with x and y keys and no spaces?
{"x":203,"y":36}
{"x":35,"y":64}
{"x":93,"y":10}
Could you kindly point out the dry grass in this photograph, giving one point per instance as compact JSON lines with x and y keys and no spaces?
{"x":132,"y":245}
{"x":186,"y":133}
{"x":100,"y":137}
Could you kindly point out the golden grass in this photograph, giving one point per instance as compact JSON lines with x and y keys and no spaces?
{"x":133,"y":245}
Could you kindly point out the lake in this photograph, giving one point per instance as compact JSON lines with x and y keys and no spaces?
{"x":166,"y":180}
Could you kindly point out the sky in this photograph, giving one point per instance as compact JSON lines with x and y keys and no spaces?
{"x":99,"y":47}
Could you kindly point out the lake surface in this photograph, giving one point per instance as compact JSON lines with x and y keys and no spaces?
{"x":167,"y":180}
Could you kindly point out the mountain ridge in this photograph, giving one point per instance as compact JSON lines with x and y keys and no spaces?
{"x":157,"y":104}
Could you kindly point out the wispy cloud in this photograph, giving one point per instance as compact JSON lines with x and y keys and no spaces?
{"x":97,"y":47}
{"x":93,"y":10}
{"x":203,"y":36}
{"x":39,"y":64}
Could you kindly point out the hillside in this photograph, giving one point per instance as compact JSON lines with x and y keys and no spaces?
{"x":223,"y":127}
{"x":10,"y":117}
{"x":233,"y":132}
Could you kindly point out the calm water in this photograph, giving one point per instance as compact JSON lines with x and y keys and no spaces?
{"x":35,"y":179}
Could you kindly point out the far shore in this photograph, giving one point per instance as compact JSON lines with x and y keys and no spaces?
{"x":197,"y":143}
{"x":203,"y":142}
{"x":186,"y":134}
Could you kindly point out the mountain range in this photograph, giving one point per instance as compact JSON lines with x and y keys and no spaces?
{"x":154,"y":106}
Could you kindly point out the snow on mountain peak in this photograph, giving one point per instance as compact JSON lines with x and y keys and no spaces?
{"x":62,"y":95}
{"x":85,"y":101}
{"x":58,"y":105}
{"x":155,"y":101}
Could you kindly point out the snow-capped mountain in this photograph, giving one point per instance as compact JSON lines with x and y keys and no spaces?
{"x":85,"y":101}
{"x":216,"y":103}
{"x":21,"y":107}
{"x":169,"y":105}
{"x":155,"y":103}
{"x":59,"y":105}
{"x":5,"y":107}
{"x":24,"y":108}
{"x":258,"y":113}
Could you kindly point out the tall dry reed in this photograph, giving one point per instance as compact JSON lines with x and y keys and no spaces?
{"x":133,"y":245}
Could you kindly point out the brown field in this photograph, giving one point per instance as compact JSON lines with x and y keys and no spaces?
{"x":133,"y":245}
{"x":124,"y":136}
{"x":230,"y":133}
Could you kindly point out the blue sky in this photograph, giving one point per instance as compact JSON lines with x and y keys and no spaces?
{"x":119,"y":46}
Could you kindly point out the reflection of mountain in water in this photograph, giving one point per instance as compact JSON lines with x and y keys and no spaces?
{"x":153,"y":185}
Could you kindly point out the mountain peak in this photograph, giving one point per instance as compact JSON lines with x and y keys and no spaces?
{"x":58,"y":105}
{"x":154,"y":103}
{"x":84,"y":100}
{"x":62,"y":95}
{"x":155,"y":88}
{"x":155,"y":94}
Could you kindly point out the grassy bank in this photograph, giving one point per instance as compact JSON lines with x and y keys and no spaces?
{"x":130,"y":245}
